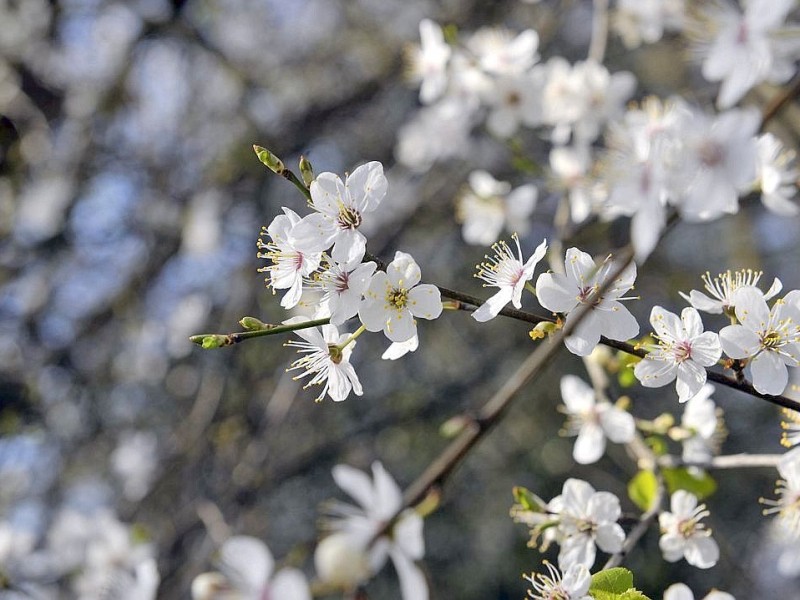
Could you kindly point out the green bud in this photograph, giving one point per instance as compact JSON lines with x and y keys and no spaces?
{"x":274,"y":163}
{"x":306,"y":170}
{"x":253,"y":324}
{"x":454,"y":426}
{"x":210,"y":342}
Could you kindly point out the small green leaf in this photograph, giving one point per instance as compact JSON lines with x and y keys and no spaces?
{"x":611,"y":581}
{"x":642,"y":489}
{"x":700,"y":484}
{"x":528,"y":500}
{"x":626,"y":378}
{"x":657,"y":444}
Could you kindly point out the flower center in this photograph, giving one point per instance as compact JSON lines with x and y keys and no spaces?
{"x":682,"y":351}
{"x":349,"y":217}
{"x":771,"y":340}
{"x":587,"y":295}
{"x":711,"y":154}
{"x":335,"y":353}
{"x":397,"y":298}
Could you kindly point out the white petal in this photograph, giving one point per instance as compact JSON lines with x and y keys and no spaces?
{"x":603,"y":507}
{"x":492,"y":307}
{"x":403,"y":271}
{"x":770,"y":375}
{"x":706,"y":349}
{"x":667,"y":325}
{"x":556,"y":293}
{"x":349,"y":246}
{"x":692,"y":322}
{"x":578,"y":397}
{"x":327,"y":191}
{"x":577,"y":550}
{"x":691,"y":379}
{"x":575,"y":495}
{"x":412,"y":582}
{"x":618,"y":323}
{"x":246,"y":560}
{"x":618,"y":425}
{"x":751,"y":308}
{"x":388,"y":496}
{"x":372,"y":313}
{"x":590,"y":445}
{"x":610,"y":537}
{"x":655,"y":373}
{"x":400,"y":326}
{"x":672,"y":547}
{"x":678,"y":591}
{"x":313,"y":233}
{"x":356,"y":483}
{"x":683,"y":503}
{"x":702,"y":552}
{"x":738,"y":341}
{"x":366,"y":186}
{"x":586,"y":336}
{"x":425,"y":301}
{"x":290,"y":584}
{"x":407,"y":534}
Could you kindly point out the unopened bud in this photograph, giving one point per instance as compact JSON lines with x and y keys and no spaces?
{"x":454,"y":426}
{"x":663,"y":422}
{"x":209,"y":342}
{"x":543,"y":330}
{"x":274,"y":163}
{"x":306,"y":170}
{"x":341,"y":561}
{"x":253,"y":324}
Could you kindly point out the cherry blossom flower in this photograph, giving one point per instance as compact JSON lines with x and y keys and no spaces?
{"x":791,"y":423}
{"x":399,"y":349}
{"x":570,"y":167}
{"x":346,"y":558}
{"x":777,"y":176}
{"x":486,"y":205}
{"x":769,"y":338}
{"x":427,"y":63}
{"x":499,"y":52}
{"x":586,"y":520}
{"x":247,"y":573}
{"x":684,"y":536}
{"x":326,"y":357}
{"x":684,"y":351}
{"x":394,"y":298}
{"x":746,"y":49}
{"x":702,"y":426}
{"x":681,"y":591}
{"x":513,"y":100}
{"x":722,"y":288}
{"x":787,"y":506}
{"x":290,"y":262}
{"x":645,"y":21}
{"x":574,"y":585}
{"x":509,"y":274}
{"x":341,"y":208}
{"x":578,"y":287}
{"x":592,"y":421}
{"x":343,"y":288}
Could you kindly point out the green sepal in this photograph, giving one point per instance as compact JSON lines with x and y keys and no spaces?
{"x":528,"y":500}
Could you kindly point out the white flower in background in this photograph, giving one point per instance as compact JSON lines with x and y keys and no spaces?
{"x":701,"y":422}
{"x":680,"y":591}
{"x":134,"y":461}
{"x":684,"y":351}
{"x":645,"y":21}
{"x":592,"y":421}
{"x":247,"y":572}
{"x":436,"y":132}
{"x":486,"y":205}
{"x":587,"y":520}
{"x":720,"y":159}
{"x":341,"y":207}
{"x":777,"y":176}
{"x":684,"y":536}
{"x":574,"y":585}
{"x":346,"y":559}
{"x":769,"y":338}
{"x":499,"y":52}
{"x":343,"y":288}
{"x":325,"y":360}
{"x":515,"y":100}
{"x":427,"y":63}
{"x":748,"y":47}
{"x":722,"y":288}
{"x":791,"y":424}
{"x":394,"y":298}
{"x":578,"y":287}
{"x":570,"y":167}
{"x":509,"y":274}
{"x":290,"y":263}
{"x":787,"y":506}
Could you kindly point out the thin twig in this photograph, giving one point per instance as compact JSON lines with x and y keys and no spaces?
{"x":731,"y":461}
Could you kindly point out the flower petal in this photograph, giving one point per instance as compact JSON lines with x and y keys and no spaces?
{"x":425,"y":301}
{"x":770,"y":375}
{"x":590,"y":445}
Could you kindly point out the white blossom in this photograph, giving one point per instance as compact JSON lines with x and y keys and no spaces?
{"x":509,"y":274}
{"x":291,"y":263}
{"x":327,"y":359}
{"x":574,"y":585}
{"x":395,"y":297}
{"x":487,"y":205}
{"x":684,"y":351}
{"x":586,"y":520}
{"x":593,"y":421}
{"x":787,"y":506}
{"x":770,"y":339}
{"x":427,"y":63}
{"x":247,"y":572}
{"x":722,"y":287}
{"x":777,"y":176}
{"x":563,"y":293}
{"x":346,"y":557}
{"x":701,"y":423}
{"x":343,"y":288}
{"x":684,"y":536}
{"x":340,"y":210}
{"x":499,"y":52}
{"x":680,"y":591}
{"x":645,"y":21}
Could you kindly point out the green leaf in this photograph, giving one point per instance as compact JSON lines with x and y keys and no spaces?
{"x":614,"y":584}
{"x":614,"y":581}
{"x":528,"y":500}
{"x":626,"y":378}
{"x":642,"y":489}
{"x":700,"y":484}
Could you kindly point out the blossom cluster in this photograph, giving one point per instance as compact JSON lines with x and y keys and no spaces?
{"x":658,"y":156}
{"x":323,"y":253}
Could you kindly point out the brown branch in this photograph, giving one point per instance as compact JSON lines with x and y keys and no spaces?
{"x":775,"y":105}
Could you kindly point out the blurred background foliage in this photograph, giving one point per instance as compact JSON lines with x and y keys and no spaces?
{"x":130,"y":206}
